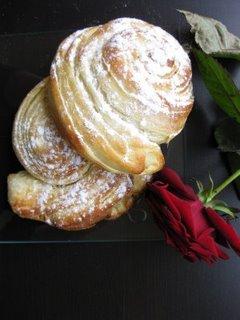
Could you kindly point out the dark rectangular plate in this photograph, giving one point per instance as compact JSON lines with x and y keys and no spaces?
{"x":24,"y":59}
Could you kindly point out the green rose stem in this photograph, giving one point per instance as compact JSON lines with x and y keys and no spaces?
{"x":223,"y":185}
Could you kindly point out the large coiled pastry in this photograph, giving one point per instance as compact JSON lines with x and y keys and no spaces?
{"x":98,"y":195}
{"x":39,"y":145}
{"x":119,"y":90}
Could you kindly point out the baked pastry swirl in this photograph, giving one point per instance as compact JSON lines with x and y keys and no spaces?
{"x":98,"y":195}
{"x":119,"y":90}
{"x":38,"y":144}
{"x":115,"y":93}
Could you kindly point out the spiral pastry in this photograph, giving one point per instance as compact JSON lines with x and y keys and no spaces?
{"x":119,"y":90}
{"x":38,"y":144}
{"x":98,"y":195}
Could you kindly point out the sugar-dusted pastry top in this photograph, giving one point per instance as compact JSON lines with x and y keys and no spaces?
{"x":97,"y":196}
{"x":119,"y":90}
{"x":39,"y":145}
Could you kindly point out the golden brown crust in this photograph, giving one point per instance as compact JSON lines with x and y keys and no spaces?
{"x":98,"y":195}
{"x":116,"y":91}
{"x":120,"y":89}
{"x":120,"y":207}
{"x":38,"y":144}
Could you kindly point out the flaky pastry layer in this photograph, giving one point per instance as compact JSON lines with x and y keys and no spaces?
{"x":119,"y":90}
{"x":98,"y":195}
{"x":39,"y":145}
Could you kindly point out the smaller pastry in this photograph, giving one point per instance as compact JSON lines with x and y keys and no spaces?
{"x":40,"y":147}
{"x":98,"y":195}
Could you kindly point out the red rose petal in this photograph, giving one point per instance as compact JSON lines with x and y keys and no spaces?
{"x":189,"y":212}
{"x":208,"y":242}
{"x":186,"y":224}
{"x":224,"y":228}
{"x":162,"y":192}
{"x":170,"y":177}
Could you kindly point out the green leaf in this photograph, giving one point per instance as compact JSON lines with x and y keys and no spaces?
{"x":199,"y":186}
{"x":212,"y":36}
{"x":211,"y":182}
{"x":223,"y":207}
{"x":227,"y":135}
{"x":227,"y":210}
{"x":217,"y":202}
{"x":203,"y":193}
{"x":227,"y":55}
{"x":219,"y":84}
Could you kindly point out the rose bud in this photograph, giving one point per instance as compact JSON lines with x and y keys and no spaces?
{"x":188,"y":220}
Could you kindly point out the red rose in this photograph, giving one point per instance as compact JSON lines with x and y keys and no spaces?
{"x":196,"y":231}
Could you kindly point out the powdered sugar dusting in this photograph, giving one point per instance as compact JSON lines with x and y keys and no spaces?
{"x":98,"y":189}
{"x":41,"y":148}
{"x":130,"y":82}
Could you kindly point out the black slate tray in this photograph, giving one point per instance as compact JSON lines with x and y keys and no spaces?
{"x":25,"y":59}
